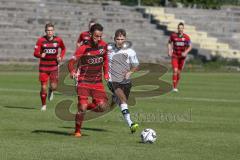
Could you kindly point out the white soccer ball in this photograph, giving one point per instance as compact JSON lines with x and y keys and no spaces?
{"x":148,"y":135}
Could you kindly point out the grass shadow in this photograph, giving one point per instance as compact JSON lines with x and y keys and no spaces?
{"x":19,"y":107}
{"x":88,"y":129}
{"x":55,"y":132}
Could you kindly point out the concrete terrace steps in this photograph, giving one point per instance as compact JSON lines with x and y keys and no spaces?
{"x":222,"y":24}
{"x":199,"y":37}
{"x":21,"y":25}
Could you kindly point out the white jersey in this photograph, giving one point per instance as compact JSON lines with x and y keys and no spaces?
{"x":120,"y":62}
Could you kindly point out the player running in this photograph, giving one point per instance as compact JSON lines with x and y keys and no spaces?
{"x":91,"y":58}
{"x":179,"y":46}
{"x":123,"y":62}
{"x":46,"y":49}
{"x":84,"y":37}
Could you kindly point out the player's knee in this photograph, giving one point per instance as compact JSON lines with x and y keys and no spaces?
{"x":82,"y":107}
{"x":175,"y":71}
{"x":43,"y":88}
{"x":53,"y":86}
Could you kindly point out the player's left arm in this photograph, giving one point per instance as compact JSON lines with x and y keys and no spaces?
{"x":188,"y":47}
{"x":105,"y":64}
{"x":63,"y":50}
{"x":133,"y":60}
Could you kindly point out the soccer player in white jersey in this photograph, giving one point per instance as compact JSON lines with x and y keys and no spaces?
{"x":123,"y":62}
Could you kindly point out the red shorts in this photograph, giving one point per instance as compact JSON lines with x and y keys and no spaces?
{"x":95,"y":91}
{"x":44,"y":77}
{"x":178,"y":62}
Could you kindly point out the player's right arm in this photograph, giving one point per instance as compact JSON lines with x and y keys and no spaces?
{"x":75,"y":58}
{"x":37,"y":49}
{"x":170,"y":46}
{"x":78,"y":44}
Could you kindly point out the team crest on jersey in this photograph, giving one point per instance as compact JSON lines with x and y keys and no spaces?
{"x":55,"y":44}
{"x":125,"y":54}
{"x":101,"y":51}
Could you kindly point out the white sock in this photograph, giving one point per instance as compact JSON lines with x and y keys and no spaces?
{"x":126,"y":114}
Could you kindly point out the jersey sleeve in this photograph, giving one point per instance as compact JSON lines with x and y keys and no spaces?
{"x":170,"y":38}
{"x":80,"y":38}
{"x":106,"y":63}
{"x":75,"y":58}
{"x":63,"y":48}
{"x":133,"y":60}
{"x":37,"y":49}
{"x":188,"y":40}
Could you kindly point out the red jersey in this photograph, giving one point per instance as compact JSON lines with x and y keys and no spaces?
{"x":91,"y":60}
{"x":180,"y":43}
{"x":84,"y":37}
{"x":49,"y":62}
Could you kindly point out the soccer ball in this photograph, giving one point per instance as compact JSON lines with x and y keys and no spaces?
{"x":148,"y":136}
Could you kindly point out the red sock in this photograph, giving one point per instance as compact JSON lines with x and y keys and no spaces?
{"x":43,"y":96}
{"x":174,"y":79}
{"x":178,"y":78}
{"x":78,"y":121}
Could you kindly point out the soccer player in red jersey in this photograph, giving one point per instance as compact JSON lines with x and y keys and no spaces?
{"x":46,"y":49}
{"x":84,"y":37}
{"x":179,"y":46}
{"x":91,"y":58}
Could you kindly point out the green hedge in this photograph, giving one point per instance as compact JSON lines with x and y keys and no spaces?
{"x":213,"y":4}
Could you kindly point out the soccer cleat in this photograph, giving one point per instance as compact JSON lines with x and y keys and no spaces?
{"x":77,"y":134}
{"x":175,"y":90}
{"x":134,"y":127}
{"x":44,"y":108}
{"x":50,"y":94}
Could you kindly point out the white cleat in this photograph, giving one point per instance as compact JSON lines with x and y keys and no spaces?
{"x":175,"y":90}
{"x":50,"y":95}
{"x":44,"y":108}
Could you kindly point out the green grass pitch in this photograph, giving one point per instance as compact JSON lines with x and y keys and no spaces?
{"x":201,"y":122}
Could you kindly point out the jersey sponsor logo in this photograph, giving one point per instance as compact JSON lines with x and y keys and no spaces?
{"x":179,"y":44}
{"x":50,"y":51}
{"x":95,"y":60}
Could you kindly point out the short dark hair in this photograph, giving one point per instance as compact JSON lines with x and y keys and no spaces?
{"x":96,"y":27}
{"x":120,"y":32}
{"x":48,"y":25}
{"x":181,"y":24}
